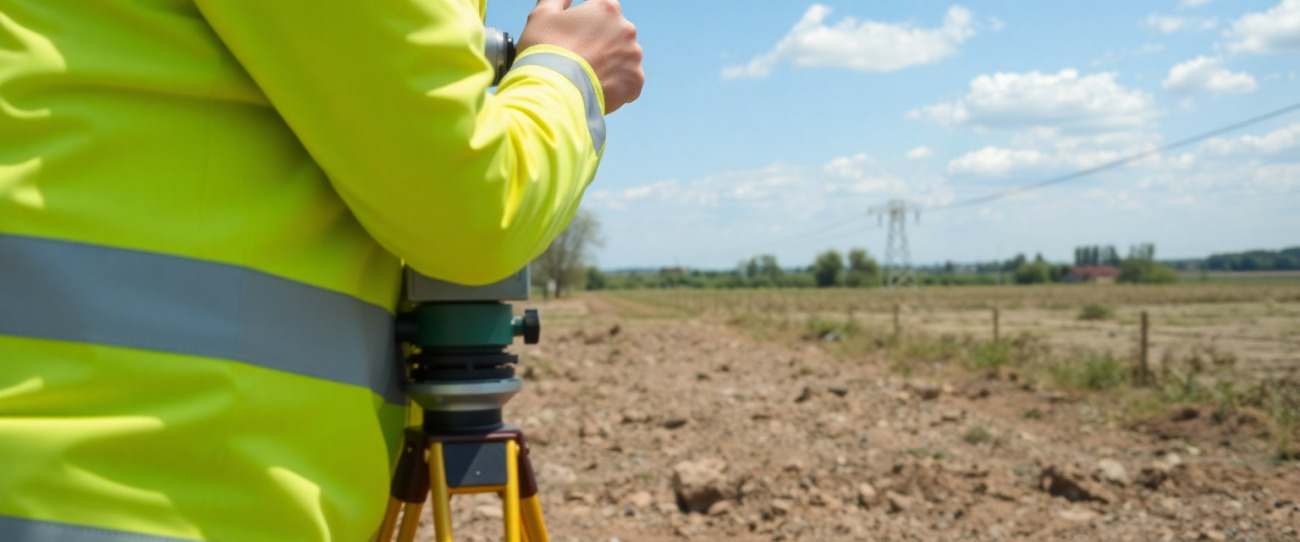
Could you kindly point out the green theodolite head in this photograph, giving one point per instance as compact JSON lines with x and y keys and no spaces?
{"x":456,"y":337}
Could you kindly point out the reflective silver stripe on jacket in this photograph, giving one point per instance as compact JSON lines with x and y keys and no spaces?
{"x":573,"y":71}
{"x":68,"y":291}
{"x":34,"y":530}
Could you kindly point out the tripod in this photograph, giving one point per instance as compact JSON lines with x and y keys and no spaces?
{"x":460,"y":374}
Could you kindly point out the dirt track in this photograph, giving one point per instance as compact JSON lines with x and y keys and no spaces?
{"x":636,"y":418}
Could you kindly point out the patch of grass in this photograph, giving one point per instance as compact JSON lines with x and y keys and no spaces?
{"x":1281,"y":400}
{"x":946,"y":347}
{"x":1187,"y":389}
{"x":989,"y":355}
{"x":1097,"y":311}
{"x":826,"y":327}
{"x":900,"y":365}
{"x":1032,"y":414}
{"x":1096,"y":372}
{"x":978,"y":435}
{"x":923,"y":452}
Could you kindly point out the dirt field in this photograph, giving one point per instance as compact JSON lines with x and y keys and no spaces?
{"x":665,"y":416}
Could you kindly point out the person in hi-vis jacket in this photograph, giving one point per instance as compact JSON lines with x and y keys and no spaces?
{"x":204,"y":209}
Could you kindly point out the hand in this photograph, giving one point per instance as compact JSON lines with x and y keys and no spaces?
{"x":597,"y":32}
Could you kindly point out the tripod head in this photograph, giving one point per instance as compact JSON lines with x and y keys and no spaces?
{"x":455,"y":338}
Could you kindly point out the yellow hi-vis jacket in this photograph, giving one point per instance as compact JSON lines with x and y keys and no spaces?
{"x":204,"y":205}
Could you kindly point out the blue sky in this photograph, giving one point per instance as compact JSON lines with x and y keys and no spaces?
{"x":763,"y":125}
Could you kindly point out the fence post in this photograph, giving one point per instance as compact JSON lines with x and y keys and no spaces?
{"x":996,"y":337}
{"x":1144,"y":370}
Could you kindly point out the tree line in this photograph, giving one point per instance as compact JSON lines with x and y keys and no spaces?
{"x":859,"y":270}
{"x":566,"y":265}
{"x":762,"y":271}
{"x":1287,"y":259}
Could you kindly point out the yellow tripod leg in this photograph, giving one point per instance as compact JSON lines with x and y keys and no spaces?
{"x":534,"y":525}
{"x":441,"y":494}
{"x":510,"y":497}
{"x":389,"y":525}
{"x":410,"y":521}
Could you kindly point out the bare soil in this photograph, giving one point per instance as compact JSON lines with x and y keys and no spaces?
{"x":645,"y":426}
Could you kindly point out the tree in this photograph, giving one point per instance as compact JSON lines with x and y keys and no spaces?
{"x":827,"y":267}
{"x":595,"y":279}
{"x":1140,"y":271}
{"x":863,"y":270}
{"x":768,"y":268}
{"x":1141,"y":267}
{"x":565,"y":262}
{"x":1014,"y":263}
{"x":1110,"y":257}
{"x":1142,"y":251}
{"x":1038,"y":272}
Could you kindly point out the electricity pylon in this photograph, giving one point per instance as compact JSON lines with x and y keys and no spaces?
{"x":896,"y":249}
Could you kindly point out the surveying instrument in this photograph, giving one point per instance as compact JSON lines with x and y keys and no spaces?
{"x":458,"y":371}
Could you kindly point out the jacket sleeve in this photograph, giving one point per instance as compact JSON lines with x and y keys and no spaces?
{"x":390,"y":98}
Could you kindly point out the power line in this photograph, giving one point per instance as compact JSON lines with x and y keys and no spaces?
{"x":802,"y":236}
{"x":1122,"y":161}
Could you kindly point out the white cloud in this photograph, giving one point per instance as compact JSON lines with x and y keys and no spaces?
{"x":1184,"y":4}
{"x":1055,"y":120}
{"x":1063,"y":100}
{"x":996,"y":161}
{"x":1270,"y":143}
{"x":772,"y":195}
{"x":863,"y":46}
{"x":1207,"y":75}
{"x":1272,"y":31}
{"x":848,"y":167}
{"x":619,"y":199}
{"x":920,"y":153}
{"x":1173,"y":23}
{"x":1276,"y":177}
{"x":1182,"y":161}
{"x":1225,"y":177}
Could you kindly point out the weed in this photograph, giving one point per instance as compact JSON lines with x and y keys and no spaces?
{"x":901,"y":366}
{"x":1227,"y":401}
{"x":1096,"y":311}
{"x":978,"y":435}
{"x":923,"y":452}
{"x":1096,"y":372}
{"x":1188,"y":389}
{"x":946,"y":347}
{"x":989,"y":355}
{"x":1282,"y":402}
{"x":824,"y":328}
{"x":1032,"y":414}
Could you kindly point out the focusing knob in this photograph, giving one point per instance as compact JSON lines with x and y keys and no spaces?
{"x":532,"y":326}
